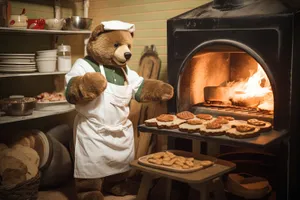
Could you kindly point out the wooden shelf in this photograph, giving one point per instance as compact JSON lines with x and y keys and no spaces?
{"x":36,"y":114}
{"x":3,"y":75}
{"x":264,"y":140}
{"x":42,"y":31}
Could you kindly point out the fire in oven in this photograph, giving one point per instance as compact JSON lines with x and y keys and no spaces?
{"x":225,"y":80}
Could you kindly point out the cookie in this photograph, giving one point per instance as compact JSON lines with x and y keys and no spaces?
{"x":221,"y":120}
{"x":213,"y":125}
{"x":214,"y":129}
{"x":256,"y":122}
{"x":170,"y":125}
{"x":234,"y":133}
{"x":206,"y":163}
{"x":204,"y":116}
{"x":244,"y":128}
{"x":194,"y":121}
{"x":165,"y":118}
{"x":185,"y":115}
{"x":262,"y":125}
{"x":229,"y":118}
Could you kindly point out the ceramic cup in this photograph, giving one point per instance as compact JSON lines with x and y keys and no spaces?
{"x":18,"y":21}
{"x":36,"y":24}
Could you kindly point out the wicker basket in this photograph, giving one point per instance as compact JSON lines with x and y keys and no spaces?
{"x":23,"y":191}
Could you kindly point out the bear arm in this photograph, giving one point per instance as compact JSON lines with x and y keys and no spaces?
{"x":155,"y":90}
{"x":82,"y":89}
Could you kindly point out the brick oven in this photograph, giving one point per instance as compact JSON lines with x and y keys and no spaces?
{"x":239,"y":58}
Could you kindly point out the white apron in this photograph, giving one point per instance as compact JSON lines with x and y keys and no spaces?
{"x":104,"y":143}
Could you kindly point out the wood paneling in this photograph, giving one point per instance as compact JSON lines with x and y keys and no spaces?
{"x":150,"y":18}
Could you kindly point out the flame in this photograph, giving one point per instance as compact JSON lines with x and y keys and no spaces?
{"x":255,"y":91}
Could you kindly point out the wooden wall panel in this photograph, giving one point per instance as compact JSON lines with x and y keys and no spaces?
{"x":150,"y":18}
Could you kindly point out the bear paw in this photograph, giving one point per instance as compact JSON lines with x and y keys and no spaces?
{"x":167,"y":91}
{"x":92,"y":85}
{"x":156,"y":90}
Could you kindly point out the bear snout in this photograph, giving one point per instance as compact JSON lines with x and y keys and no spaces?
{"x":127,"y":55}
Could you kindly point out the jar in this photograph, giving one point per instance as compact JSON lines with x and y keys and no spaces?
{"x":64,"y":58}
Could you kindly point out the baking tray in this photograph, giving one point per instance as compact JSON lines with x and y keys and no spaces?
{"x":219,"y":168}
{"x":264,"y":140}
{"x":144,"y":161}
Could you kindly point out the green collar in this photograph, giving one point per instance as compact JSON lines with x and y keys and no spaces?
{"x":113,"y":74}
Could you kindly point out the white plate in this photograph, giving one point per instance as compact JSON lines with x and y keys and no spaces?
{"x":27,"y":60}
{"x":17,"y":57}
{"x":52,"y":102}
{"x":16,"y":63}
{"x":19,"y":70}
{"x":32,"y":65}
{"x":17,"y":54}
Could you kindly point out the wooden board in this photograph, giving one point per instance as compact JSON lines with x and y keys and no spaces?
{"x":144,"y":161}
{"x":218,"y":169}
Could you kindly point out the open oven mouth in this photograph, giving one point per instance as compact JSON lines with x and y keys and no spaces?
{"x":223,"y":79}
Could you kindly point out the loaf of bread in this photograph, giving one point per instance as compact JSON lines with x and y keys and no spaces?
{"x":12,"y":170}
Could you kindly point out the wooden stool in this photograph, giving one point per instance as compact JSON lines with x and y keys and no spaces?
{"x":205,"y":180}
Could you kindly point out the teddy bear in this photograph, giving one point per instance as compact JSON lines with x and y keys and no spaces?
{"x":101,"y":86}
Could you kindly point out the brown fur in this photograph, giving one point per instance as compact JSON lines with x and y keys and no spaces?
{"x":155,"y":90}
{"x":101,"y":45}
{"x":86,"y":88}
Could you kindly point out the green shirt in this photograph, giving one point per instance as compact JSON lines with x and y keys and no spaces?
{"x":113,"y":75}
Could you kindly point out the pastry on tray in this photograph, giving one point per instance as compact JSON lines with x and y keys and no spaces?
{"x":169,"y":159}
{"x":263,"y":125}
{"x":205,"y":117}
{"x":191,"y":125}
{"x":151,"y":122}
{"x":229,"y":118}
{"x":186,"y":115}
{"x":243,"y":131}
{"x":214,"y":128}
{"x":165,"y":121}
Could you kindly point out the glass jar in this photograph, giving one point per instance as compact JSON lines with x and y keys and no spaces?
{"x":64,"y":58}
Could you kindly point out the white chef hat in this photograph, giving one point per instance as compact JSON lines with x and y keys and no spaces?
{"x":118,"y":25}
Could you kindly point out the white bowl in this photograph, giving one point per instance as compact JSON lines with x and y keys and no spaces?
{"x":46,"y":58}
{"x":47,"y":53}
{"x":54,"y":24}
{"x":46,"y":65}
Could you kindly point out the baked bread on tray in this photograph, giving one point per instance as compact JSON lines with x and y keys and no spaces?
{"x":171,"y":160}
{"x":165,"y":121}
{"x":191,"y":125}
{"x":262,"y":125}
{"x":214,"y":128}
{"x":243,"y":131}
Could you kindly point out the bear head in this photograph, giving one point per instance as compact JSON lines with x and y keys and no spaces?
{"x":110,"y":47}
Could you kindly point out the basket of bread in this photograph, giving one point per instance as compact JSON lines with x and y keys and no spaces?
{"x":170,"y":161}
{"x":19,"y":172}
{"x":208,"y":125}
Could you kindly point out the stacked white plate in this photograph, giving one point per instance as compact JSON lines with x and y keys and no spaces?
{"x":46,"y":60}
{"x":13,"y":62}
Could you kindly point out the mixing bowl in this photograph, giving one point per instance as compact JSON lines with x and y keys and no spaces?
{"x":78,"y":23}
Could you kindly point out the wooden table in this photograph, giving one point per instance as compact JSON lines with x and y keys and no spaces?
{"x":204,"y":180}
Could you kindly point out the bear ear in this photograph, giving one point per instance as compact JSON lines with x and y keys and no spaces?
{"x":97,"y":31}
{"x":132,"y":34}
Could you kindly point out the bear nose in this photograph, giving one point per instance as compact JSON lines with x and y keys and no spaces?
{"x":127,"y":55}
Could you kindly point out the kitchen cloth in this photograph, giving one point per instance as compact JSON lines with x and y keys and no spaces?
{"x":118,"y":25}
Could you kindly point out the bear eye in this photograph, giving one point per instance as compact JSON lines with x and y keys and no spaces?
{"x":129,"y":46}
{"x":116,"y":45}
